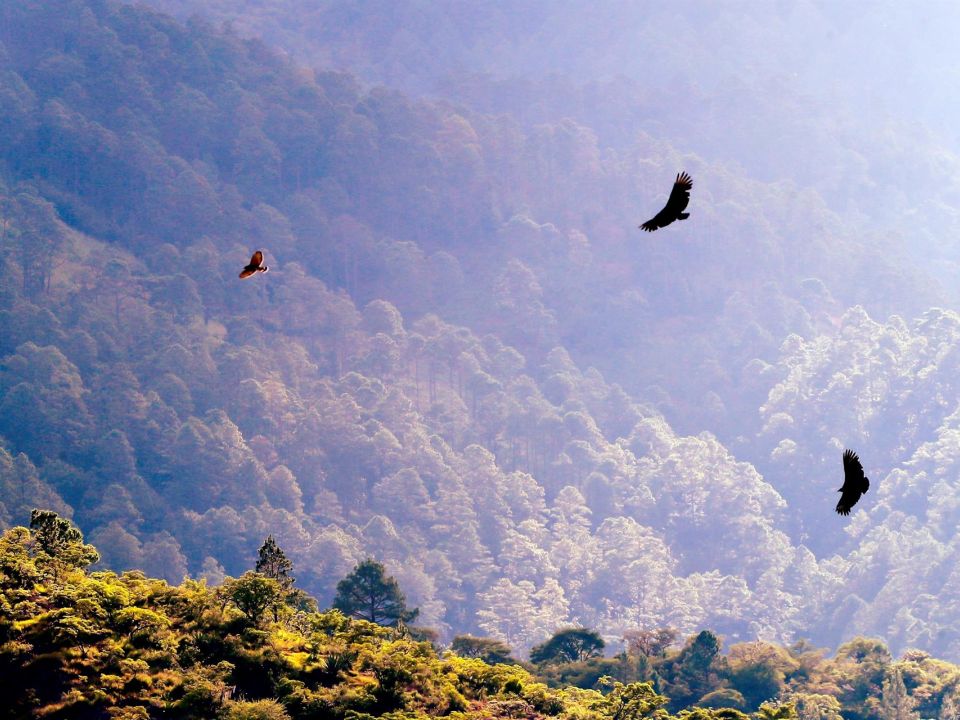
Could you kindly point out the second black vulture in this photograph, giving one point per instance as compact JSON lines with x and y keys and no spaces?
{"x":855,"y":483}
{"x":676,"y":204}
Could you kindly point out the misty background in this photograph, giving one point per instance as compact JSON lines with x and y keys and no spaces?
{"x":466,"y":360}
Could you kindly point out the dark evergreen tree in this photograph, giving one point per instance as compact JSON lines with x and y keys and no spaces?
{"x":369,"y":594}
{"x":52,"y":532}
{"x":693,"y":672}
{"x":60,"y":545}
{"x":273,"y":563}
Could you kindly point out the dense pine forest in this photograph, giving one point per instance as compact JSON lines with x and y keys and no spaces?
{"x":467,"y":364}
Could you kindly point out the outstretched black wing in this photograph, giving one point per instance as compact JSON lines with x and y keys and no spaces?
{"x":855,"y":483}
{"x":676,"y":204}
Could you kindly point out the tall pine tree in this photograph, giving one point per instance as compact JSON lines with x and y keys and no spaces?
{"x":369,"y":594}
{"x":273,"y":563}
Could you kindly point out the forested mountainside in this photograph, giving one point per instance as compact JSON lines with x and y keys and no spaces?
{"x":81,"y":644}
{"x":842,"y":98}
{"x":465,"y":361}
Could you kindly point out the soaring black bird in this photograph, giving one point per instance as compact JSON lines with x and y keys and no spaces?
{"x":855,"y":483}
{"x":256,"y":265}
{"x":676,"y":204}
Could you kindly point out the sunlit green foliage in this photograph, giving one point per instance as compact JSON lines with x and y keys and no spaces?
{"x":88,"y":643}
{"x":489,"y":650}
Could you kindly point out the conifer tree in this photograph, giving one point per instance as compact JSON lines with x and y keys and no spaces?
{"x":273,"y":563}
{"x":60,"y":544}
{"x":369,"y":594}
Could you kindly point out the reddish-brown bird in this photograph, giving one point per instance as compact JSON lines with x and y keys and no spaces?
{"x":676,"y":204}
{"x":855,"y":483}
{"x":256,"y":265}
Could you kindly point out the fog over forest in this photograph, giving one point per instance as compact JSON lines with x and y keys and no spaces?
{"x":466,"y":360}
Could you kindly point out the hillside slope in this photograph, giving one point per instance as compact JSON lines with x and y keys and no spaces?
{"x":426,"y":374}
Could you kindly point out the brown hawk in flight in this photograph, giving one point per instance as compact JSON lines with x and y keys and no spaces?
{"x":256,"y":265}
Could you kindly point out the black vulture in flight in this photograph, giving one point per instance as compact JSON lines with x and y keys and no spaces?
{"x":676,"y":204}
{"x":855,"y":483}
{"x":256,"y":265}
